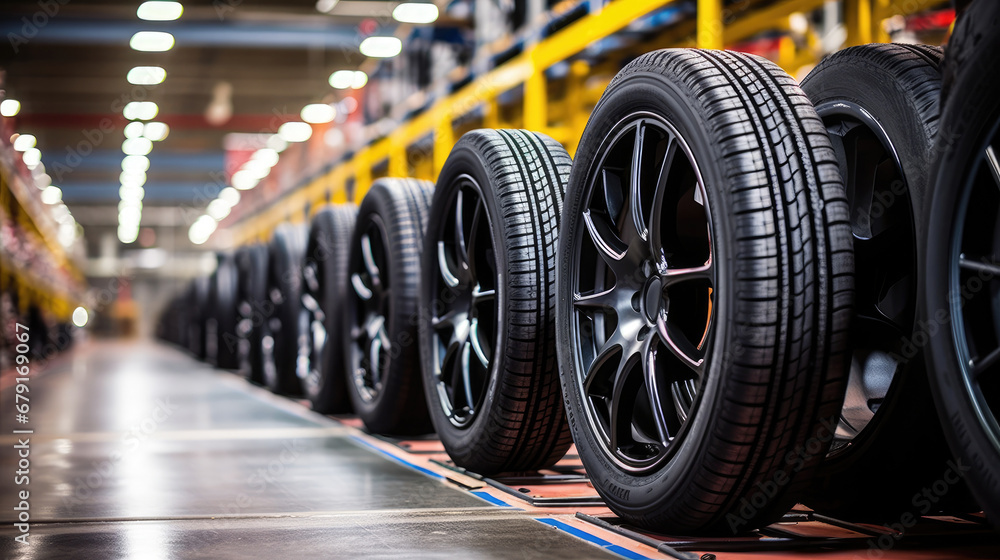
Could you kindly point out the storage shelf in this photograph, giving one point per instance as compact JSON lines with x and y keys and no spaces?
{"x":714,"y":24}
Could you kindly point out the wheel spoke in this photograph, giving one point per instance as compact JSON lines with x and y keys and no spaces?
{"x":656,"y":211}
{"x":606,"y":353}
{"x":466,"y":378}
{"x":979,"y":266}
{"x":654,"y":391}
{"x":461,"y":248}
{"x":310,"y":276}
{"x":861,"y":181}
{"x":607,"y":300}
{"x":479,"y":295}
{"x":680,"y":400}
{"x":310,"y":303}
{"x":979,"y":366}
{"x":619,"y":407}
{"x":473,"y":241}
{"x":994,"y":164}
{"x":447,"y":275}
{"x":635,"y":189}
{"x":447,"y":321}
{"x":359,"y":288}
{"x":678,"y":344}
{"x":673,"y":276}
{"x":368,"y":256}
{"x":477,"y":345}
{"x":610,"y":247}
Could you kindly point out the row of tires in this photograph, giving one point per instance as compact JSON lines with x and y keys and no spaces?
{"x":725,"y":301}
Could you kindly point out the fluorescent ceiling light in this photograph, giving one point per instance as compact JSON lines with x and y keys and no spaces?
{"x":244,"y":180}
{"x":25,"y":142}
{"x":127,"y":233}
{"x":131,"y":192}
{"x":137,"y":146}
{"x":318,"y":113}
{"x":32,"y":157}
{"x":230,"y":195}
{"x":129,"y":215}
{"x":135,"y":164}
{"x":133,"y":130}
{"x":10,"y":107}
{"x":51,"y":195}
{"x":146,"y":75}
{"x":132,"y":178}
{"x":381,"y":47}
{"x":277,"y":143}
{"x":140,"y":110}
{"x":80,"y":317}
{"x":159,"y":11}
{"x":218,"y":209}
{"x":414,"y":12}
{"x":129,"y":203}
{"x":295,"y":131}
{"x":156,"y":131}
{"x":201,"y":229}
{"x":256,"y":168}
{"x":344,"y":79}
{"x":266,"y":156}
{"x":152,"y":41}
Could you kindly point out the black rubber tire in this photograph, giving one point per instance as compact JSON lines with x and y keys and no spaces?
{"x":324,"y":288}
{"x":223,"y":311}
{"x":970,"y":122}
{"x":254,"y":309}
{"x":198,"y":301}
{"x":519,"y":422}
{"x":775,"y":373}
{"x":280,"y":342}
{"x":397,"y":210}
{"x":902,"y":449}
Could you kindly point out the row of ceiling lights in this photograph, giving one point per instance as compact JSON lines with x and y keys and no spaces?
{"x":260,"y":163}
{"x":51,"y":195}
{"x":142,"y":131}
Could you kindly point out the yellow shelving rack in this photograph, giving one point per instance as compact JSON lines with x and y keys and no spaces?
{"x":52,"y":296}
{"x":715,"y":25}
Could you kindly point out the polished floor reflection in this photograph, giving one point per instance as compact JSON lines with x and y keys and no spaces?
{"x":141,"y":452}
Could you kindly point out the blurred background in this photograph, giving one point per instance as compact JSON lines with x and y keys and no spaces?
{"x":139,"y":140}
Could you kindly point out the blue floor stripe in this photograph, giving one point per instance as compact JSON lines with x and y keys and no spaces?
{"x":581,"y":534}
{"x":491,"y":498}
{"x":429,"y":473}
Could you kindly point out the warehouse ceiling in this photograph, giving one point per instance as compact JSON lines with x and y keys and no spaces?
{"x":237,"y":66}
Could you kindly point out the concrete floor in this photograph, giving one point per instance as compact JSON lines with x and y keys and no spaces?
{"x":141,"y":452}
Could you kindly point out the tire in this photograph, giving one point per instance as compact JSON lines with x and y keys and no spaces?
{"x":281,"y":330}
{"x":324,"y":288}
{"x":222,"y":340}
{"x":251,"y":262}
{"x":961,"y":290}
{"x":880,"y":103}
{"x":383,"y":268}
{"x":488,"y":295}
{"x":744,"y":312}
{"x":198,"y":298}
